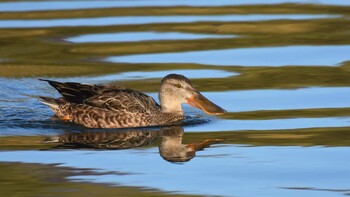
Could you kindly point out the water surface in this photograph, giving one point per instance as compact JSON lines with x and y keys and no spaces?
{"x":303,"y":98}
{"x":279,"y":67}
{"x":66,"y":5}
{"x":199,"y":73}
{"x":139,"y":20}
{"x":265,"y":56}
{"x":141,"y":36}
{"x":267,"y":171}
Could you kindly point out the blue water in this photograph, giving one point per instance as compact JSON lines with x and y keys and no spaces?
{"x":66,"y":5}
{"x":274,"y":124}
{"x":139,"y":20}
{"x":274,"y":99}
{"x":224,"y":170}
{"x":141,"y":36}
{"x":332,"y":55}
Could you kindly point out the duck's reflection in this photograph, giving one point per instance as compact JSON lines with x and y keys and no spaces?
{"x":170,"y":147}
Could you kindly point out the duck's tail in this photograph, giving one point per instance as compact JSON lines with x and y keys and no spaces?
{"x":58,"y":106}
{"x":74,"y":92}
{"x":51,"y":102}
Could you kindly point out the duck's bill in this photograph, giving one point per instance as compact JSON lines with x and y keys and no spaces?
{"x":199,"y":101}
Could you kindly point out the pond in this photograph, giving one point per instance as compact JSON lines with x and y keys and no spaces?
{"x":281,"y":69}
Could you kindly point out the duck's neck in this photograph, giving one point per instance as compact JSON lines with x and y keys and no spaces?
{"x":169,"y":108}
{"x":170,"y":105}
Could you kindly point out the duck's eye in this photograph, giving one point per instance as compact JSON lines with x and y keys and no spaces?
{"x":178,"y":85}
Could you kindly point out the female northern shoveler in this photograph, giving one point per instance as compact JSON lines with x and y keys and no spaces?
{"x":98,"y":106}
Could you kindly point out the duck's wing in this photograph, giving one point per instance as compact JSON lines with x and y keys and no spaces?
{"x":77,"y":92}
{"x":124,"y":100}
{"x":107,"y":97}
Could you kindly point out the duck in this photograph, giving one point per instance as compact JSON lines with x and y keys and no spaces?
{"x":108,"y":106}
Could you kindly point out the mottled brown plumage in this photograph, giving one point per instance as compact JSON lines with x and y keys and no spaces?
{"x":98,"y":106}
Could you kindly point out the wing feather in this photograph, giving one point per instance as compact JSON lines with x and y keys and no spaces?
{"x":113,"y":98}
{"x":124,"y":101}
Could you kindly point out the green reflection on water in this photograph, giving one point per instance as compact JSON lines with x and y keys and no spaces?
{"x":338,"y":136}
{"x":180,"y":10}
{"x":41,"y":52}
{"x":18,"y":179}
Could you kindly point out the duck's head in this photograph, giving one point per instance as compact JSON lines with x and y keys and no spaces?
{"x":177,"y":89}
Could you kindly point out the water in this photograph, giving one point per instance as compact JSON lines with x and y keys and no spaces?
{"x":281,"y":70}
{"x":199,"y":73}
{"x":139,"y":20}
{"x":270,"y":170}
{"x":141,"y":36}
{"x":267,"y":99}
{"x":67,"y":5}
{"x":276,"y":124}
{"x":269,"y":56}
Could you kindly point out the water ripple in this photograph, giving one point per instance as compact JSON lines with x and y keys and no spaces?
{"x":332,"y":55}
{"x":141,"y":36}
{"x":66,"y":5}
{"x":139,"y":20}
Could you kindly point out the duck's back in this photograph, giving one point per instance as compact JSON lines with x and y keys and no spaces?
{"x":100,"y":106}
{"x":124,"y":101}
